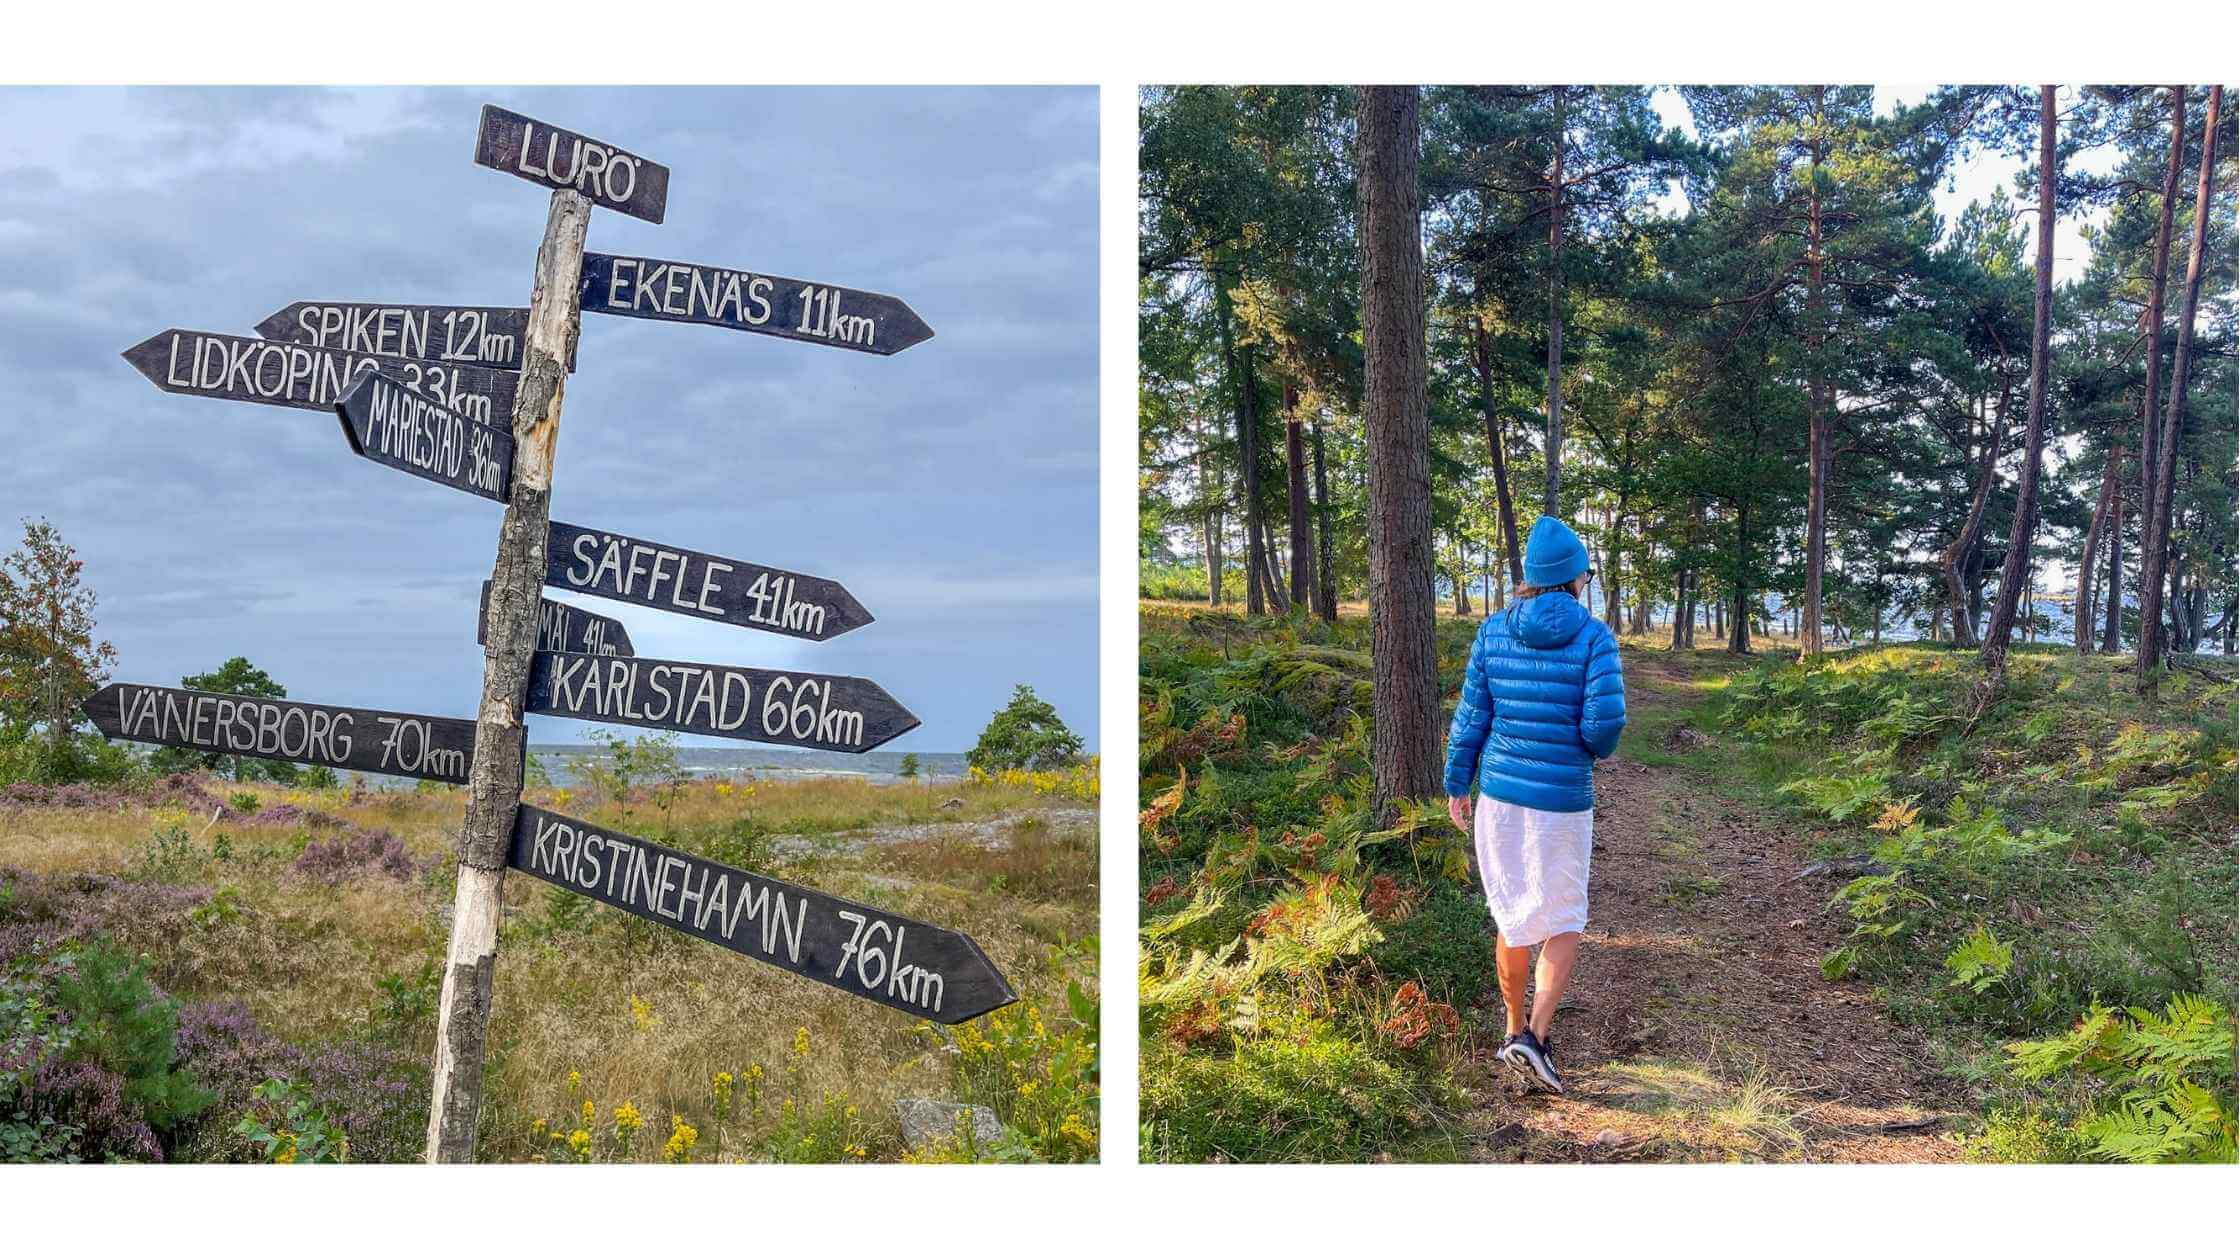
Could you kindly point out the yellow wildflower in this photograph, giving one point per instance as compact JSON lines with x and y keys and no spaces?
{"x":682,"y":1138}
{"x":641,"y":1014}
{"x":575,"y":1082}
{"x":801,"y":1041}
{"x":580,"y":1142}
{"x":590,"y":1114}
{"x":627,"y":1122}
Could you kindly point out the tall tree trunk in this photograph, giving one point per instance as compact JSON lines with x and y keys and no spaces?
{"x":2111,"y":640}
{"x":2012,"y":575}
{"x":1209,"y":487}
{"x":2157,"y":518}
{"x":1494,"y":447}
{"x":1238,"y":360}
{"x":1821,"y":459}
{"x":1325,"y":569}
{"x":1271,"y":571}
{"x":2088,"y":565}
{"x":1554,"y":442}
{"x":1302,"y":537}
{"x":2150,"y":408}
{"x":1738,"y":626}
{"x":1405,"y":754}
{"x":1958,"y":558}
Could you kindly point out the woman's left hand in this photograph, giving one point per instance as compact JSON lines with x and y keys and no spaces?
{"x":1458,"y":808}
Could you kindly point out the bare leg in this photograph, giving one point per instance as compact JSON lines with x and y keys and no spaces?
{"x":1557,"y":955}
{"x":1514,"y":962}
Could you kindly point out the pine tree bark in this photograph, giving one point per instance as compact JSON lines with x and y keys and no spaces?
{"x":1551,"y":500}
{"x":2013,"y":572}
{"x":1302,"y":537}
{"x":1405,"y":754}
{"x":1494,"y":447}
{"x":2111,"y":638}
{"x":2089,"y":564}
{"x":2157,"y":518}
{"x":2150,"y":408}
{"x":1819,"y":438}
{"x":1957,"y":560}
{"x":1325,"y":570}
{"x":501,"y":735}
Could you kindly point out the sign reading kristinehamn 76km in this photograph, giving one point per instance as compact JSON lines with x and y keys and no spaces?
{"x":469,"y":397}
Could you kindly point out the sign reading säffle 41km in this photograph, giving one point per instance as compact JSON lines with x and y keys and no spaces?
{"x":452,"y":394}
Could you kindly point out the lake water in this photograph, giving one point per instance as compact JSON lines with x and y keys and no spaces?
{"x":767,"y":763}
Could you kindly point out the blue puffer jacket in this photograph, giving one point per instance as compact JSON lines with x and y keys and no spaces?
{"x":1544,"y":679}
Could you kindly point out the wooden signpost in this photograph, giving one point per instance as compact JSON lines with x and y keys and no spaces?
{"x":565,"y":628}
{"x":696,"y":584}
{"x":470,"y":397}
{"x":389,"y":424}
{"x":481,"y":336}
{"x":916,"y":968}
{"x":373,"y":740}
{"x":747,"y":301}
{"x":828,"y":711}
{"x":281,"y":374}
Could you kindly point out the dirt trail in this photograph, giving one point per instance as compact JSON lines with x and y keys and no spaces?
{"x":1698,"y":1026}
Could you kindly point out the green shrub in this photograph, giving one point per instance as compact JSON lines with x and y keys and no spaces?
{"x":1446,"y":945}
{"x":1314,"y":1091}
{"x":2164,"y":1080}
{"x":287,"y":1127}
{"x":121,"y":1022}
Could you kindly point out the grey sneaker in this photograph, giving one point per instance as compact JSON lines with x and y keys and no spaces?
{"x":1527,"y":1053}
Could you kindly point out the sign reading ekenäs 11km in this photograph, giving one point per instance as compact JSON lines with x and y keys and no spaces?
{"x":835,"y":712}
{"x":251,"y":369}
{"x":634,"y":571}
{"x":372,"y":740}
{"x":559,"y":158}
{"x":748,"y":301}
{"x":484,"y":336}
{"x":914,"y":967}
{"x":388,"y":424}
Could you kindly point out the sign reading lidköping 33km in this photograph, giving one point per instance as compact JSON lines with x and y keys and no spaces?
{"x":916,"y":968}
{"x":282,"y":374}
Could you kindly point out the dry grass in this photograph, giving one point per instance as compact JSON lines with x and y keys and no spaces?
{"x":309,"y":958}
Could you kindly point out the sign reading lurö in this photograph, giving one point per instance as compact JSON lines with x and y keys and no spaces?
{"x":558,"y":158}
{"x":914,"y":967}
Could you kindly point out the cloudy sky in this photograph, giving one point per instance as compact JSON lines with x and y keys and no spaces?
{"x":951,"y":487}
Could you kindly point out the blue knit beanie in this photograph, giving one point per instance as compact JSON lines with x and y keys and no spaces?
{"x":1553,"y":555}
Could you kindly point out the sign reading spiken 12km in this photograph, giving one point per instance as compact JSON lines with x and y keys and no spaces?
{"x":432,"y":390}
{"x":914,"y":967}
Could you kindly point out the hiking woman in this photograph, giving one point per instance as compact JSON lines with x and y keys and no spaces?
{"x":1545,"y":683}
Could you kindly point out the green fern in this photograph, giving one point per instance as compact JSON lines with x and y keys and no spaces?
{"x":1980,"y":961}
{"x":2170,"y":1074}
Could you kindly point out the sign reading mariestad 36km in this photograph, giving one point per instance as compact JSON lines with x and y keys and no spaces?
{"x":251,"y":369}
{"x":389,"y":424}
{"x":372,"y":740}
{"x":914,"y":967}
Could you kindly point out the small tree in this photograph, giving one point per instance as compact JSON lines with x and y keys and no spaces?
{"x":909,"y":768}
{"x":49,"y":659}
{"x":1026,"y":734}
{"x":237,"y":677}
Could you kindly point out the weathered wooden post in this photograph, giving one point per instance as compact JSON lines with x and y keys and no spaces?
{"x":494,"y":782}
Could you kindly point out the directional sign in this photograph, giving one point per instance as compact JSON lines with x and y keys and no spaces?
{"x":391,"y":425}
{"x":828,"y":711}
{"x":801,"y":310}
{"x":916,"y":968}
{"x":250,"y":369}
{"x":634,"y":571}
{"x":483,"y":336}
{"x":561,"y":628}
{"x":372,"y":740}
{"x":559,"y":158}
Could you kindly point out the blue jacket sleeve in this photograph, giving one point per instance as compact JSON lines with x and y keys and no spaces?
{"x":1602,"y":712}
{"x":1473,"y":715}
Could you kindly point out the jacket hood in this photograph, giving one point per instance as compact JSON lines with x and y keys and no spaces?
{"x":1547,"y":620}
